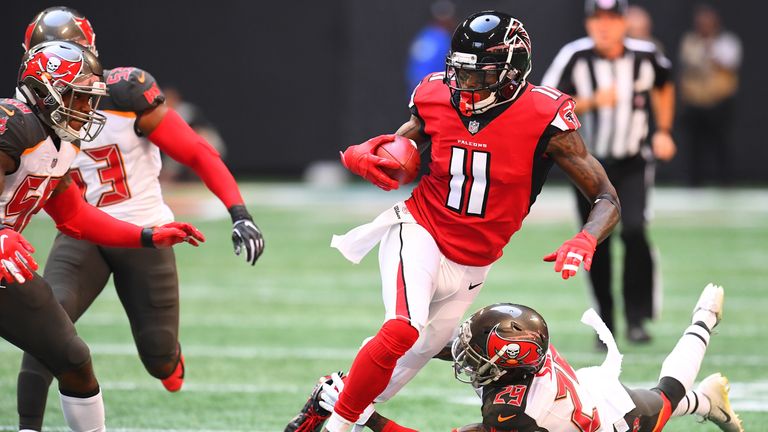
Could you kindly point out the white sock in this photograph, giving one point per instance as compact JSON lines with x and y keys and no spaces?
{"x":705,"y":316}
{"x":685,"y":359}
{"x":84,"y":414}
{"x":693,"y":403}
{"x":337,"y":423}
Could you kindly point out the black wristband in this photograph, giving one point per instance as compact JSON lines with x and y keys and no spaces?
{"x":239,"y":212}
{"x":610,"y":199}
{"x":146,"y":238}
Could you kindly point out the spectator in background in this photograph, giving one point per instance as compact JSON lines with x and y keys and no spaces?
{"x":614,"y":81}
{"x":428,"y":50}
{"x":710,"y":58}
{"x":640,"y":25}
{"x":190,"y":113}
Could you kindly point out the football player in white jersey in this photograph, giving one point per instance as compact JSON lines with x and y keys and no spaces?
{"x":504,"y":352}
{"x":59,"y":84}
{"x":118,"y":173}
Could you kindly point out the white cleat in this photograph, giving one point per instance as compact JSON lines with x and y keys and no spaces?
{"x":711,"y":299}
{"x":715,"y":387}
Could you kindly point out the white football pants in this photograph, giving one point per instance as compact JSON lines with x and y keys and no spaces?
{"x":423,"y":286}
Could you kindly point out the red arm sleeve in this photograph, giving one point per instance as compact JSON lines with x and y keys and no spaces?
{"x":78,"y":219}
{"x":174,"y":137}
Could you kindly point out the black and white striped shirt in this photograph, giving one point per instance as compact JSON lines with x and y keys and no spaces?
{"x":620,"y":131}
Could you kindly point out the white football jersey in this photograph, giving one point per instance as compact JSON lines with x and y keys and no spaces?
{"x":553,"y":400}
{"x":558,"y":402}
{"x":28,"y":189}
{"x":118,"y":172}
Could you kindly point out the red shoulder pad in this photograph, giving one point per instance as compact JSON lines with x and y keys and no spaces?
{"x":558,"y":106}
{"x":431,"y":85}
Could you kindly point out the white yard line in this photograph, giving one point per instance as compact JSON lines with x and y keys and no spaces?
{"x":320,"y":353}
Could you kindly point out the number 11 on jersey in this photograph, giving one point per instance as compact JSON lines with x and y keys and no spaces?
{"x":475,"y":196}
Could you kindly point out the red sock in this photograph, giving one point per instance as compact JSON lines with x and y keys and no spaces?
{"x":391,"y":426}
{"x":373,"y":366}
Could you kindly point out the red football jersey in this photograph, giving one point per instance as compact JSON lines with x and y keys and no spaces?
{"x":486,"y":170}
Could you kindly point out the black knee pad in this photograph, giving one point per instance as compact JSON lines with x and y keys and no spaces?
{"x":672,"y":389}
{"x":74,"y":354}
{"x":159,"y":351}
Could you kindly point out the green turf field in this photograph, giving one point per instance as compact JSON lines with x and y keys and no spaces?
{"x":256,"y":339}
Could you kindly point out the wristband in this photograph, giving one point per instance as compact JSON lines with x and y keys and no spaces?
{"x":146,"y":238}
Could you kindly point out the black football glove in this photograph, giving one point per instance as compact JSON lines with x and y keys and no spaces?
{"x":245,"y":234}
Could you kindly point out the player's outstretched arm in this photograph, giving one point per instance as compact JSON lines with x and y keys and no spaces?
{"x":167,"y":130}
{"x":568,"y":151}
{"x":78,"y":219}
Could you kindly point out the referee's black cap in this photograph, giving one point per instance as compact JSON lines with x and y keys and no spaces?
{"x":592,"y":7}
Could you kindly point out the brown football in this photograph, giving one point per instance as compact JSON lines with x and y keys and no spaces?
{"x":405,"y":152}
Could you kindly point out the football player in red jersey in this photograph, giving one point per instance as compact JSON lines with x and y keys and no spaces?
{"x":493,"y":137}
{"x":59,"y":85}
{"x":505,"y":353}
{"x":118,"y":172}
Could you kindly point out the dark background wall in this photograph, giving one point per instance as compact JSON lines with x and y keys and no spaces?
{"x":288,"y":83}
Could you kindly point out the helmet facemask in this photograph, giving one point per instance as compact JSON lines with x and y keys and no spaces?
{"x":490,"y":60}
{"x":57,"y":78}
{"x":92,"y":120}
{"x":491,"y":346}
{"x":478,"y":86}
{"x":470,"y":366}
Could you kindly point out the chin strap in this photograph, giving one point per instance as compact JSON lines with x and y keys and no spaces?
{"x":467,"y":107}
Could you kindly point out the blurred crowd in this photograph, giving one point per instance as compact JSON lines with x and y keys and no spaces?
{"x":706,"y":79}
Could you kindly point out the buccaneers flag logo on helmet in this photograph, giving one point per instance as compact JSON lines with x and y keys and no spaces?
{"x":512,"y":353}
{"x":58,"y":70}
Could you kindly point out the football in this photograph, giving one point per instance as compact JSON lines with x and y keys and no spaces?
{"x":405,"y":152}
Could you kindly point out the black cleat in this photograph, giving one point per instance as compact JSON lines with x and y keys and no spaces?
{"x":312,"y":416}
{"x":637,"y":334}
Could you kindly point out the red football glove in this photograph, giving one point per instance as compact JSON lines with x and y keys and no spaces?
{"x":16,"y":262}
{"x":361,"y":160}
{"x":573,"y":252}
{"x":167,"y":235}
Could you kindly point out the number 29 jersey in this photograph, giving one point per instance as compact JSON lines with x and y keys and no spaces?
{"x":486,"y":169}
{"x":552,"y":400}
{"x":118,"y":171}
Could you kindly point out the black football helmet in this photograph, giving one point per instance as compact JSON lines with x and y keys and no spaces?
{"x":60,"y":23}
{"x":489,"y":61}
{"x":52,"y":76}
{"x":500,"y":339}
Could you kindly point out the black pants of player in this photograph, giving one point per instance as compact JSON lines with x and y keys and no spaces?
{"x":708,"y":143}
{"x":632,"y":180}
{"x":654,"y":407}
{"x":32,"y":319}
{"x":147,"y":285}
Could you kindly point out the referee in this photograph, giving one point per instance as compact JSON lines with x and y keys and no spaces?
{"x":615,"y":80}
